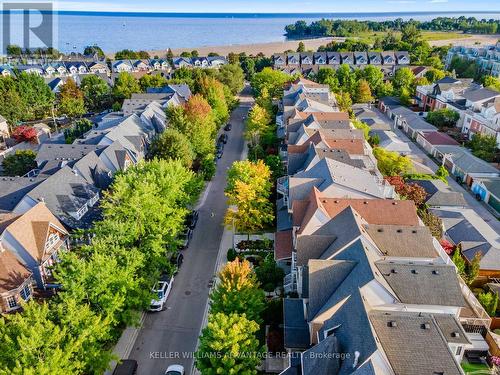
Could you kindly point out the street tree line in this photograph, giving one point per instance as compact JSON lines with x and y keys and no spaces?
{"x":104,"y":284}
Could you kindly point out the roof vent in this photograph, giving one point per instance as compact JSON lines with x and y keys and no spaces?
{"x":426,"y":326}
{"x":380,"y":230}
{"x":392,"y":323}
{"x":455,"y":334}
{"x":394,"y":203}
{"x":415,"y":272}
{"x":336,"y":201}
{"x":435,"y":272}
{"x":394,"y":271}
{"x":414,"y":231}
{"x":365,"y":202}
{"x":399,"y":231}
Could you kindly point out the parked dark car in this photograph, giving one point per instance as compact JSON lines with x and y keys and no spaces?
{"x":126,"y":367}
{"x":220,"y":150}
{"x":185,"y":238}
{"x":223,"y":138}
{"x":192,"y":219}
{"x":176,"y":261}
{"x":228,"y":127}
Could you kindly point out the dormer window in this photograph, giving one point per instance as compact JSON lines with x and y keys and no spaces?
{"x":51,"y":241}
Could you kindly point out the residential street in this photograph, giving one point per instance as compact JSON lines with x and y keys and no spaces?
{"x":170,"y":336}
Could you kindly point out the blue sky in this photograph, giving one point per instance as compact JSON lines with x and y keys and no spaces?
{"x":283,"y":6}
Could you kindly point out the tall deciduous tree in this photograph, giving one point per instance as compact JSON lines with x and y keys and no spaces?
{"x":232,"y":76}
{"x":171,"y":144}
{"x":213,"y":91}
{"x":125,"y":86}
{"x":404,"y":80}
{"x":71,"y":102}
{"x":238,"y":291}
{"x":258,"y":122}
{"x":391,"y":163}
{"x":96,"y":92}
{"x":228,"y":346}
{"x":363,"y":92}
{"x":19,"y":163}
{"x":152,"y":80}
{"x":36,"y":95}
{"x":248,"y":189}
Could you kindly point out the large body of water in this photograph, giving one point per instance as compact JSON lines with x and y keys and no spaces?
{"x":142,"y":31}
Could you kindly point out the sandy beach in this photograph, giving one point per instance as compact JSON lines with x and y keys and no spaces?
{"x":268,"y":49}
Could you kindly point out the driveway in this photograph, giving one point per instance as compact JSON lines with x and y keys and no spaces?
{"x":423,"y":163}
{"x":170,"y":336}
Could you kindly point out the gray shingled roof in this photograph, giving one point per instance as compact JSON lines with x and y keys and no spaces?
{"x":61,"y":152}
{"x":411,"y":347}
{"x":295,"y":326}
{"x":463,"y":159}
{"x":423,"y":284}
{"x":321,"y":358}
{"x":65,"y":193}
{"x":13,"y":189}
{"x":403,"y":241}
{"x":480,"y":94}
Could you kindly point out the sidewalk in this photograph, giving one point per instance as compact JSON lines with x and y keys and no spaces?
{"x":124,"y":345}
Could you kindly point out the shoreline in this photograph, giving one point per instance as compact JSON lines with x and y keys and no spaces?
{"x":270,"y":48}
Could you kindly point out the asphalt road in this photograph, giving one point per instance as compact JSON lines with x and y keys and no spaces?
{"x":170,"y":336}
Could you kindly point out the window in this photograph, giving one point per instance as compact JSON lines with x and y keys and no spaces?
{"x":11,"y":301}
{"x":52,"y":240}
{"x":458,"y":351}
{"x":26,"y":292}
{"x":93,"y":200}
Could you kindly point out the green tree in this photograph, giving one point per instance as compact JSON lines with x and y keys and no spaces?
{"x":390,"y":163}
{"x":489,"y":300}
{"x":248,"y":189}
{"x":71,"y":99}
{"x":374,"y":76}
{"x":96,"y":92}
{"x":213,"y":91}
{"x":269,"y":274}
{"x":363,"y":93}
{"x":196,"y":121}
{"x":491,"y":82}
{"x":483,"y":146}
{"x":36,"y":95}
{"x":152,"y":80}
{"x":301,"y":47}
{"x":12,"y":105}
{"x":275,"y":165}
{"x":14,"y":50}
{"x":404,"y":79}
{"x":257,"y":124}
{"x":248,"y":66}
{"x":385,"y":89}
{"x":472,"y":269}
{"x":433,"y":222}
{"x":19,"y":163}
{"x":327,"y":76}
{"x":91,"y":50}
{"x":232,"y":76}
{"x":442,"y":173}
{"x":125,"y":86}
{"x":272,"y":80}
{"x":171,"y":144}
{"x":443,"y":118}
{"x":346,"y":78}
{"x":238,"y":291}
{"x":228,"y":346}
{"x":344,"y":101}
{"x":434,"y":75}
{"x":459,"y":262}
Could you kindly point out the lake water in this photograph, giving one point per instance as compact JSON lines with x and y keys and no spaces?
{"x":116,"y":31}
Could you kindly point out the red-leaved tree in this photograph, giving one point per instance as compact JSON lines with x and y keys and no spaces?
{"x":24,"y":133}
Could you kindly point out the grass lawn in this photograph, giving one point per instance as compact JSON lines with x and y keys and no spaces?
{"x":471,"y":367}
{"x":427,"y":35}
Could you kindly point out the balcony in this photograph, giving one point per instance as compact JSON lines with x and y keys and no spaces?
{"x":282,"y":186}
{"x":473,"y":315}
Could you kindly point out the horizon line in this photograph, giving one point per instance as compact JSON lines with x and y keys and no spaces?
{"x":211,"y":14}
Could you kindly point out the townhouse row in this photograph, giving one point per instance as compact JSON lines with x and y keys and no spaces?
{"x":39,"y":211}
{"x":71,"y":68}
{"x":487,"y":57}
{"x":369,"y":289}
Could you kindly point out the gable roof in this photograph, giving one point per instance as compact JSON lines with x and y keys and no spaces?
{"x":12,"y":272}
{"x":13,"y":189}
{"x":403,"y":241}
{"x":64,"y":193}
{"x":439,"y":138}
{"x":411,"y":347}
{"x":31,"y":230}
{"x":423,"y":284}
